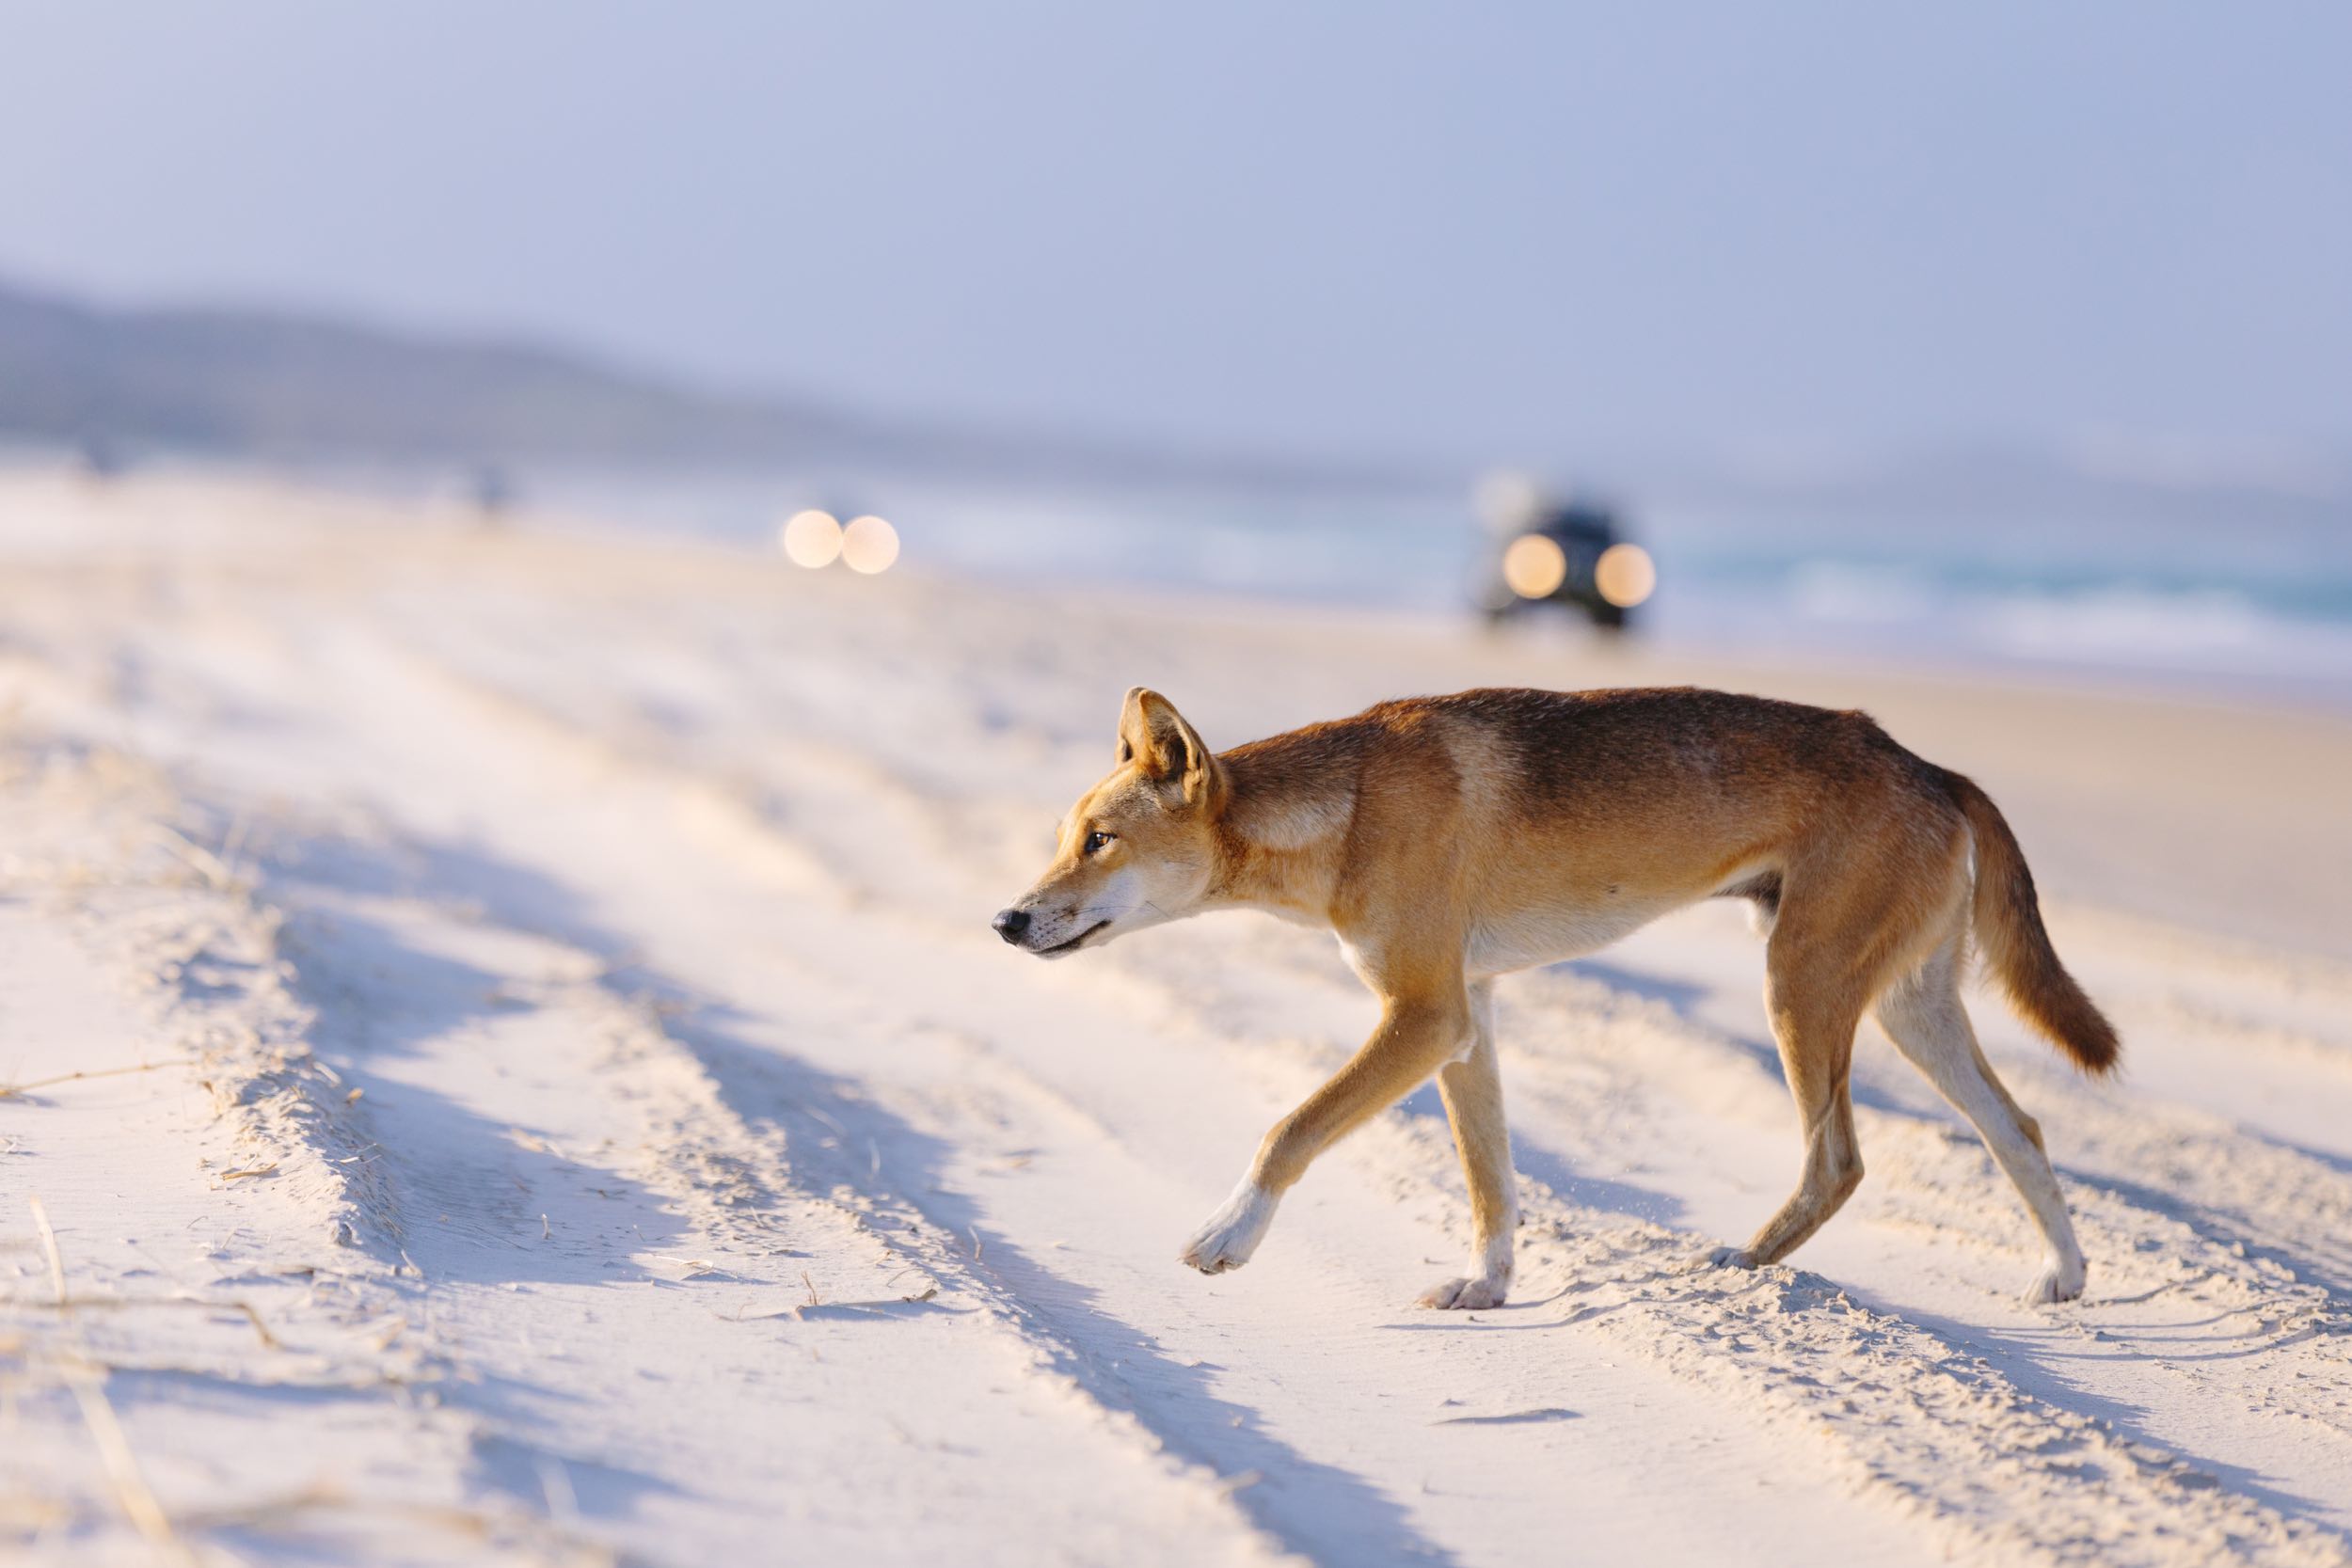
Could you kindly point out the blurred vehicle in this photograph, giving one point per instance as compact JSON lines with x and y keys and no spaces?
{"x":1571,"y":554}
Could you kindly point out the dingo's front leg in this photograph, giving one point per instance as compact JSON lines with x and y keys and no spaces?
{"x":1228,"y":1237}
{"x":1473,"y":1088}
{"x":1413,"y":1040}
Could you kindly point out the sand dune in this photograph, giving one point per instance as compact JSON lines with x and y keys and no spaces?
{"x":580,"y":1113}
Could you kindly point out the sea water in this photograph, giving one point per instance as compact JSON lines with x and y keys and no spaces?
{"x":2232,"y":591}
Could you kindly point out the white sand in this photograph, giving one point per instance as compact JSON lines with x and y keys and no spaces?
{"x":717,"y":1188}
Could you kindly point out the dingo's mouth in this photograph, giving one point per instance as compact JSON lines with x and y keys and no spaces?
{"x":1072,"y":945}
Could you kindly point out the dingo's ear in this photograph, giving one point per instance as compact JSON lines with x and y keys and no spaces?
{"x":1155,"y":738}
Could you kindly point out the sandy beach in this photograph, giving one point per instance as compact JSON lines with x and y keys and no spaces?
{"x":502,"y":1058}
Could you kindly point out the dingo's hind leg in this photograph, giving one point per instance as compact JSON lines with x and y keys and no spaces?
{"x":1806,"y":995}
{"x":1473,"y":1090}
{"x":1922,"y":1014}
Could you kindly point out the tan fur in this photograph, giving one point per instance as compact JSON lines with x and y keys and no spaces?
{"x":1448,"y":840}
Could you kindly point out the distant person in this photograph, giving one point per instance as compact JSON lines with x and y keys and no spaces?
{"x":494,"y":493}
{"x":101,"y":458}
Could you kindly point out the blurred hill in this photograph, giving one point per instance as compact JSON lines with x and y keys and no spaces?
{"x":272,"y":386}
{"x":266,"y":384}
{"x":246,"y":381}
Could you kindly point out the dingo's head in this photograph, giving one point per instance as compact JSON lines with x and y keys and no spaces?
{"x":1138,"y":850}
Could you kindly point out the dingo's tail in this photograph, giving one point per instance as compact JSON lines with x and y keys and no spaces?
{"x":2017,"y":948}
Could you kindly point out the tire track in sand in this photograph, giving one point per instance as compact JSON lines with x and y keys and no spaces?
{"x":1794,"y":1341}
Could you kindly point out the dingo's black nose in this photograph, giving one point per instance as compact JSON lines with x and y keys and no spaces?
{"x":1011,"y":924}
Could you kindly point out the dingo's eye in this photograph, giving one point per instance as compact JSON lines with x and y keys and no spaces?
{"x":1096,"y":841}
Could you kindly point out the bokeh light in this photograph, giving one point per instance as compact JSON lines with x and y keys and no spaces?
{"x":1625,"y":575}
{"x":1534,"y":566}
{"x":869,"y":545}
{"x":1507,"y":503}
{"x":812,"y":538}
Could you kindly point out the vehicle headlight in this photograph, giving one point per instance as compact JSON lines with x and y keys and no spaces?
{"x":1625,"y":575}
{"x":1534,"y":566}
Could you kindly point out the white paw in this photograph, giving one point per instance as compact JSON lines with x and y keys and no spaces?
{"x":1465,"y":1295}
{"x":2061,"y":1280}
{"x":1732,"y":1257}
{"x":1234,"y":1232}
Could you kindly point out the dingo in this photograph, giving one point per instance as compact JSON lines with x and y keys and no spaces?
{"x":1448,"y":840}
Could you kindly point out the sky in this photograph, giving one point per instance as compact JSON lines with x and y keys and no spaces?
{"x":1455,"y":233}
